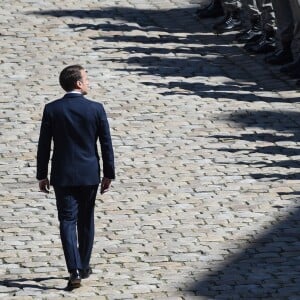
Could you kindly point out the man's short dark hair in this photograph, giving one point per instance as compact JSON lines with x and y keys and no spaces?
{"x":69,"y":76}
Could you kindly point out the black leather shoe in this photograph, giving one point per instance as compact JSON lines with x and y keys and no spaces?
{"x":231,"y":22}
{"x":252,"y":43}
{"x":213,"y":10}
{"x":74,"y":279}
{"x":86,"y":273}
{"x":248,"y":35}
{"x":265,"y":44}
{"x":293,"y":69}
{"x":280,"y":57}
{"x":251,"y":34}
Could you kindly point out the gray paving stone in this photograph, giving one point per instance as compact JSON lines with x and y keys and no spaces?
{"x":206,"y":142}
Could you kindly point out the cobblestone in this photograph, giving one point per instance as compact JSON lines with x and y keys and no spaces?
{"x":206,"y":136}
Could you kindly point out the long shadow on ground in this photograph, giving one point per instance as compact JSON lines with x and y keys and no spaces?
{"x":173,"y":45}
{"x":268,"y":268}
{"x":278,"y":131}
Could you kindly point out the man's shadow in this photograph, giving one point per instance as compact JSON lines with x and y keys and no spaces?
{"x":33,"y":283}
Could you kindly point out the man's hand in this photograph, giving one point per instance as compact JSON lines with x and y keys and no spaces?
{"x":105,"y":184}
{"x":44,"y":186}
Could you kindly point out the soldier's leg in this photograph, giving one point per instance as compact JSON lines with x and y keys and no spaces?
{"x":293,"y":69}
{"x":267,"y":15}
{"x":253,"y":15}
{"x":232,"y":5}
{"x":267,"y":41}
{"x":295,"y":5}
{"x":252,"y":11}
{"x":285,"y":29}
{"x":232,"y":20}
{"x":212,"y":9}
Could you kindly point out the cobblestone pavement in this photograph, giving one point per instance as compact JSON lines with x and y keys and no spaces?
{"x":205,"y":204}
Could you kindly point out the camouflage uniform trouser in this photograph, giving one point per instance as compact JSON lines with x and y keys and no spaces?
{"x":255,"y":10}
{"x":296,"y":16}
{"x":232,"y":5}
{"x":261,"y":10}
{"x":288,"y":22}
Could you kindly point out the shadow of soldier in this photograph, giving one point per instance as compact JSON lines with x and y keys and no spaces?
{"x":172,"y":43}
{"x":273,"y":150}
{"x":268,"y":268}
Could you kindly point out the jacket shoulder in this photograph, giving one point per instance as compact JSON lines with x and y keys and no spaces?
{"x":95,"y":105}
{"x":53,"y":103}
{"x":93,"y":102}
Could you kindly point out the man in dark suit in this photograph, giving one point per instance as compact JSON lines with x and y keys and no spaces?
{"x":75,"y":124}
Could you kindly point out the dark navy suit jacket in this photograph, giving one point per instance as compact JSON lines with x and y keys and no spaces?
{"x":75,"y":124}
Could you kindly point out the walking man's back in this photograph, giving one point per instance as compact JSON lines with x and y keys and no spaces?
{"x":75,"y":124}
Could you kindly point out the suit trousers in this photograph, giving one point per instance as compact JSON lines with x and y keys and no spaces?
{"x":75,"y":206}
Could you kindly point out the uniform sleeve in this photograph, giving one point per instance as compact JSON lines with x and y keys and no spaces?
{"x":44,"y":146}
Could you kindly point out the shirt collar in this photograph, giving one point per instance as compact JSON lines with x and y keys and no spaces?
{"x":74,"y":92}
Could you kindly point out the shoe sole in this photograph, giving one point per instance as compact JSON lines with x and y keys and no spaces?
{"x":74,"y":284}
{"x":215,"y":31}
{"x":253,"y":40}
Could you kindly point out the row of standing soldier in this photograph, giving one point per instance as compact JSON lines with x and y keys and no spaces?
{"x":270,"y":27}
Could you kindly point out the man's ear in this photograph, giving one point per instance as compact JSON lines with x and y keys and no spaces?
{"x":78,"y":84}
